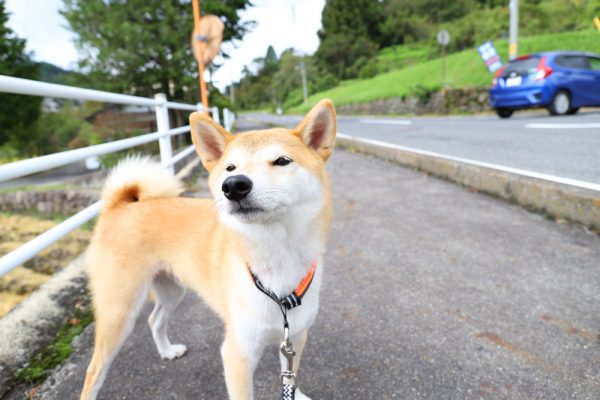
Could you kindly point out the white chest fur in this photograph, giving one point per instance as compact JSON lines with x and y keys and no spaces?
{"x":280,"y":257}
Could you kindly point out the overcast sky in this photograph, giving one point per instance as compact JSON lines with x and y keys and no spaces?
{"x":280,"y":23}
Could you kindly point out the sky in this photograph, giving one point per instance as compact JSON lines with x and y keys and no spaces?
{"x":280,"y":23}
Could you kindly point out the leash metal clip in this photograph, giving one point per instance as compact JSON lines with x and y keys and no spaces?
{"x":287,"y":350}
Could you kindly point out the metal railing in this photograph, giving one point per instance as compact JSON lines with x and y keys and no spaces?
{"x":33,"y":165}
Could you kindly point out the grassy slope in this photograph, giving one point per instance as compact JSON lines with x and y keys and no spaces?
{"x":464,"y":69}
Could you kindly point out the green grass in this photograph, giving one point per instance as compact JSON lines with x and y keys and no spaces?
{"x":463,"y":69}
{"x":396,"y":57}
{"x":59,"y":350}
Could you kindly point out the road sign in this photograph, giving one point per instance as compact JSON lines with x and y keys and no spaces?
{"x":206,"y":38}
{"x":490,"y":56}
{"x":443,"y":37}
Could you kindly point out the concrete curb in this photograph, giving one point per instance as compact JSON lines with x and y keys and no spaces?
{"x":558,"y":197}
{"x":33,"y":324}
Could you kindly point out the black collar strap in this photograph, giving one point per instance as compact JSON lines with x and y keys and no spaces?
{"x":292,"y":300}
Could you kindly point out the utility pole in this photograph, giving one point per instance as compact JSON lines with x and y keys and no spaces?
{"x":514,"y":29}
{"x":304,"y":88}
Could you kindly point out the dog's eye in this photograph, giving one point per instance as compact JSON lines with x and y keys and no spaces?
{"x":230,"y":167}
{"x":282,"y":161}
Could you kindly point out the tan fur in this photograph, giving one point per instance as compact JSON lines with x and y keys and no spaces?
{"x":144,"y":230}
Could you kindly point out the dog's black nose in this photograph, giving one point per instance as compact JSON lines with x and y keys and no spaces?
{"x":236,"y":187}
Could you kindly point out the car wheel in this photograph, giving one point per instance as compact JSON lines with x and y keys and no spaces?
{"x":561,"y":103}
{"x":504,"y":112}
{"x":573,"y":110}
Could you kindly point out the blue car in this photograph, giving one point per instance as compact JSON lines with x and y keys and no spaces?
{"x":561,"y":81}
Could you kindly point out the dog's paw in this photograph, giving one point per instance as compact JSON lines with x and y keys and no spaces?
{"x":301,"y":396}
{"x":173,"y":351}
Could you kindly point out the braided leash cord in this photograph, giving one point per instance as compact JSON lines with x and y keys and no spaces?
{"x":288,"y":391}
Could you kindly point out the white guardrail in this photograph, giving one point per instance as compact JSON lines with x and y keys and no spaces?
{"x":33,"y":165}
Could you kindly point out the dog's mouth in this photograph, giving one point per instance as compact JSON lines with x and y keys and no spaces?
{"x":248,"y":211}
{"x":240,"y":209}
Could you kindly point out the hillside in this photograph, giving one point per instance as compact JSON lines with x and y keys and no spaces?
{"x":53,"y":74}
{"x":463,"y":69}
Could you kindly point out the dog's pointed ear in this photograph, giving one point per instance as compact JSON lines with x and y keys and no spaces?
{"x":209,"y":138}
{"x":317,"y":130}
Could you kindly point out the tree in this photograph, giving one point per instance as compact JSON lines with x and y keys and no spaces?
{"x":350,"y":31}
{"x":271,"y":57}
{"x":255,"y":89}
{"x":277,"y":82}
{"x":143,"y":46}
{"x":18,"y":113}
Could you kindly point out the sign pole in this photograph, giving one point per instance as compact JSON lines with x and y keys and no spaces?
{"x":514,"y":29}
{"x":203,"y":91}
{"x":444,"y":70}
{"x":443,"y":38}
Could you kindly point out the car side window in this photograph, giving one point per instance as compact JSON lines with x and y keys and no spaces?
{"x":594,"y":63}
{"x":578,"y":62}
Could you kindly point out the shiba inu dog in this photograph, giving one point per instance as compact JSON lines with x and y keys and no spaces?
{"x":268,"y":221}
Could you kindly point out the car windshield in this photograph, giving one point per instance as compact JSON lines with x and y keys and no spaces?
{"x":521,"y":67}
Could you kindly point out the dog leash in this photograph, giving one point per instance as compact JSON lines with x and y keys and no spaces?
{"x":288,"y":377}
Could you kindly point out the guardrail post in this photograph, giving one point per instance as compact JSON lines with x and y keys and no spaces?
{"x":162,"y":125}
{"x":226,"y":119}
{"x":215,"y":114}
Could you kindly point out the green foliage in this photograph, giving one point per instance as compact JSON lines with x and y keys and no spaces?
{"x":463,"y":69}
{"x":64,"y":130}
{"x":287,"y":82}
{"x":279,"y":83}
{"x":271,"y":57}
{"x":143,"y":46}
{"x":221,"y":101}
{"x":423,"y":93}
{"x":352,"y":18}
{"x":350,"y":35}
{"x":18,"y":114}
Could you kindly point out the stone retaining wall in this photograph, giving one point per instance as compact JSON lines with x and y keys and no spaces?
{"x":51,"y":202}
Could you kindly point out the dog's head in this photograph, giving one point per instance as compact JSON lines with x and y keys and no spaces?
{"x":265,"y":176}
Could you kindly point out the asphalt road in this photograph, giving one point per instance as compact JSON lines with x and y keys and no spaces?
{"x":563,"y":146}
{"x":430,"y":292}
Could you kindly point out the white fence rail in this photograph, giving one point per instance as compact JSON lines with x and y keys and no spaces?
{"x":33,"y":165}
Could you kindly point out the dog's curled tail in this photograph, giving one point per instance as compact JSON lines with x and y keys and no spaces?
{"x":135,"y":179}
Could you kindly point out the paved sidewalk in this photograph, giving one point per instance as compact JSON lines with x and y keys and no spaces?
{"x":430,"y":292}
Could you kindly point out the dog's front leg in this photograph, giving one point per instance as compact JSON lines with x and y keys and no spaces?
{"x":239,"y":362}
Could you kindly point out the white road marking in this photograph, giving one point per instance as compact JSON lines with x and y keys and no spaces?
{"x":385,"y":121}
{"x":531,"y":174}
{"x":563,"y":126}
